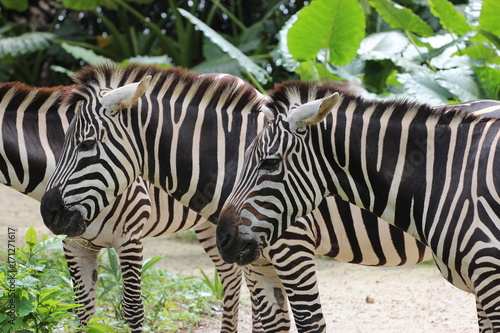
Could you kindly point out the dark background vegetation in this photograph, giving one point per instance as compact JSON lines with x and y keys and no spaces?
{"x":435,"y":50}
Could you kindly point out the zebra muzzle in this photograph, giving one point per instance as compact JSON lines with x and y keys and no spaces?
{"x":60,"y":219}
{"x":235,"y":246}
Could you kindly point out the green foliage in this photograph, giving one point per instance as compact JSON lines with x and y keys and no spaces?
{"x":25,"y":44}
{"x":215,"y":285}
{"x":490,"y":17}
{"x":87,"y":55}
{"x":417,"y":49}
{"x":405,"y":56}
{"x":18,"y":5}
{"x":38,"y":284}
{"x":339,"y":27}
{"x":401,"y":18}
{"x":258,"y":72}
{"x":34,"y":288}
{"x":172,"y":303}
{"x":450,"y":18}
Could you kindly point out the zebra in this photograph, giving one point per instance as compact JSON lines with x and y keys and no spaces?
{"x":32,"y":128}
{"x":430,"y":172}
{"x":187,"y":135}
{"x":20,"y":100}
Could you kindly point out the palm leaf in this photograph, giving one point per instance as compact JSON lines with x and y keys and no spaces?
{"x":258,"y":72}
{"x":26,"y":43}
{"x":89,"y":56}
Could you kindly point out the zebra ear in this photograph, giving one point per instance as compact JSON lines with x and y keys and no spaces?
{"x":124,"y":97}
{"x":268,"y":113}
{"x":312,"y":112}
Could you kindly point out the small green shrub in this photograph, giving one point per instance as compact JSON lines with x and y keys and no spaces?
{"x":214,"y":285}
{"x":36,"y":293}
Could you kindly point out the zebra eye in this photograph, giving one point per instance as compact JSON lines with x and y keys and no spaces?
{"x":270,"y":164}
{"x":87,"y":145}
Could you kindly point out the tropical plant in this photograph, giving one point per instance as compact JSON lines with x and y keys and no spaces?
{"x":36,"y":293}
{"x":76,"y":32}
{"x":457,"y":60}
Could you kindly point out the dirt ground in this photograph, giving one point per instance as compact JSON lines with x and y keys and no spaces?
{"x":406,"y":299}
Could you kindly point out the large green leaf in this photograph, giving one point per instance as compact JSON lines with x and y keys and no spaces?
{"x":26,"y":43}
{"x":450,"y":18}
{"x":401,"y":18}
{"x":335,"y":25}
{"x":89,"y":56}
{"x":258,"y":72}
{"x":490,"y":16}
{"x":19,"y":5}
{"x":489,"y":77}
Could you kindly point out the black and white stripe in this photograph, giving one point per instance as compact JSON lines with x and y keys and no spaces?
{"x":430,"y":172}
{"x":187,"y":134}
{"x":32,"y":128}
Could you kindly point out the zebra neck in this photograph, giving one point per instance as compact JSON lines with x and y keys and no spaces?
{"x":32,"y":134}
{"x":398,"y":160}
{"x":201,"y":150}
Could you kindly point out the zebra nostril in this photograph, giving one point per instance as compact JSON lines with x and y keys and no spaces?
{"x":49,"y":208}
{"x":226,"y":234}
{"x":249,"y":253}
{"x":54,"y":216}
{"x":225,"y":241}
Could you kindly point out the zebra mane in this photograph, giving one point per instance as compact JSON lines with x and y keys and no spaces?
{"x":108,"y":76}
{"x":289,"y":93}
{"x":38,"y":95}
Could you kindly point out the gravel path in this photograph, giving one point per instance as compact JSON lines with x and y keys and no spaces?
{"x":402,"y":299}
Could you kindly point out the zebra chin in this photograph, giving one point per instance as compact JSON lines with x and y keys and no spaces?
{"x":58,"y":218}
{"x":235,"y":245}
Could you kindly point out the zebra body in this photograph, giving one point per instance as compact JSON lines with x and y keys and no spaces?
{"x":187,"y":134}
{"x":33,"y":124}
{"x":427,"y":171}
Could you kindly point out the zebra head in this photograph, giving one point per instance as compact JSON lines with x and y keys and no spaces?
{"x":89,"y":175}
{"x":277,"y":184}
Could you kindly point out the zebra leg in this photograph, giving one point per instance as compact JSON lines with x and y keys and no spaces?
{"x":82,"y":259}
{"x":293,"y":258}
{"x":485,"y":325}
{"x":268,"y":315}
{"x":229,"y":275}
{"x":130,"y":254}
{"x":269,"y":302}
